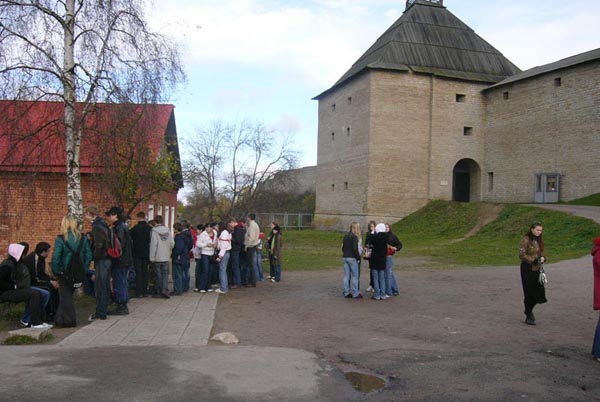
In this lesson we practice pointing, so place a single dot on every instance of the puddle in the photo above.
(364, 383)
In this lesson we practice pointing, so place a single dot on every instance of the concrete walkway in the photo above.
(585, 211)
(181, 320)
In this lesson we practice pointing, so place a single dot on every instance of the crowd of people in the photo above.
(116, 258)
(379, 248)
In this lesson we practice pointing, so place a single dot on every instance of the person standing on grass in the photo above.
(276, 246)
(161, 244)
(531, 253)
(351, 258)
(140, 236)
(377, 260)
(394, 245)
(224, 247)
(596, 265)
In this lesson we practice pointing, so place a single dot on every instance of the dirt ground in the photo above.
(451, 335)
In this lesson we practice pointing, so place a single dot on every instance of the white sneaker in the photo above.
(43, 326)
(370, 289)
(196, 290)
(211, 290)
(203, 291)
(221, 292)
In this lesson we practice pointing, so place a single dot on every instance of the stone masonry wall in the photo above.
(544, 128)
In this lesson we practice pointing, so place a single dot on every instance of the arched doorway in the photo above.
(466, 179)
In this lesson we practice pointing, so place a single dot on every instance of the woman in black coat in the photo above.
(377, 261)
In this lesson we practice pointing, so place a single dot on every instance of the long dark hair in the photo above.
(539, 239)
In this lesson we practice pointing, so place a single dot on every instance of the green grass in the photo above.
(27, 340)
(310, 250)
(593, 200)
(565, 237)
(437, 229)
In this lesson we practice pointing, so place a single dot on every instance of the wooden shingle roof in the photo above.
(429, 39)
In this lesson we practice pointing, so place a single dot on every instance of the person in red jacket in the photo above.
(596, 263)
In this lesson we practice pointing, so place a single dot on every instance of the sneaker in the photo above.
(94, 317)
(370, 289)
(359, 296)
(203, 291)
(221, 292)
(196, 290)
(42, 326)
(348, 296)
(273, 280)
(210, 290)
(386, 297)
(24, 324)
(269, 277)
(165, 295)
(375, 298)
(396, 293)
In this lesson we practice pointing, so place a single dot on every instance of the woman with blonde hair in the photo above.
(68, 243)
(351, 258)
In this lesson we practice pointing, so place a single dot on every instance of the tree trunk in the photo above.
(72, 131)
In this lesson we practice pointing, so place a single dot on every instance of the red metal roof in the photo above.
(32, 134)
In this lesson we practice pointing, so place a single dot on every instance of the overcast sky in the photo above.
(263, 60)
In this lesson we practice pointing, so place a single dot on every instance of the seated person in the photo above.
(13, 290)
(41, 276)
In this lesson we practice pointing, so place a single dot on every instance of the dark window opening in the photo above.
(506, 95)
(349, 100)
(348, 131)
(468, 131)
(490, 181)
(345, 185)
(333, 187)
(461, 98)
(333, 107)
(332, 136)
(557, 82)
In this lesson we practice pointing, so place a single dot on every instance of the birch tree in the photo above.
(80, 53)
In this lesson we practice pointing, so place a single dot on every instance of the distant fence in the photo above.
(286, 220)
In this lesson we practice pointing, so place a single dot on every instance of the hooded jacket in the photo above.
(161, 244)
(596, 263)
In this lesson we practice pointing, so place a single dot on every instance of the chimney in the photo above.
(409, 3)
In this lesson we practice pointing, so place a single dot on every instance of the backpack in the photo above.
(74, 273)
(114, 245)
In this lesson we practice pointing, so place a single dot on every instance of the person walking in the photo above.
(596, 266)
(140, 237)
(122, 263)
(377, 261)
(531, 253)
(68, 243)
(161, 244)
(351, 258)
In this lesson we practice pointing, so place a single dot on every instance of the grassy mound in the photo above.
(593, 200)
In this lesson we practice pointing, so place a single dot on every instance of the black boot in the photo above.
(530, 319)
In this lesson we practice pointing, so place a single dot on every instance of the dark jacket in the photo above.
(378, 243)
(99, 244)
(6, 277)
(189, 239)
(122, 231)
(276, 248)
(237, 238)
(394, 242)
(140, 237)
(180, 250)
(37, 270)
(350, 246)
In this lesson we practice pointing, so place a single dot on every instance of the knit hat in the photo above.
(16, 250)
(597, 241)
(380, 228)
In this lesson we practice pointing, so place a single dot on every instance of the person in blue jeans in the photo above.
(207, 243)
(377, 261)
(224, 246)
(351, 258)
(102, 262)
(179, 254)
(394, 245)
(259, 257)
(122, 264)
